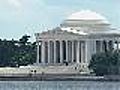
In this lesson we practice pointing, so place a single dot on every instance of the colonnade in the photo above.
(71, 51)
(61, 51)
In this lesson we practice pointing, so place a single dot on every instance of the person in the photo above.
(35, 71)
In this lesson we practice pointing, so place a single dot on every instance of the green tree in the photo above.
(17, 52)
(7, 48)
(105, 63)
(24, 40)
(25, 53)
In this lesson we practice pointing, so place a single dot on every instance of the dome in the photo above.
(86, 15)
(85, 18)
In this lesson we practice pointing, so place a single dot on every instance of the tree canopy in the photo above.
(17, 52)
(105, 63)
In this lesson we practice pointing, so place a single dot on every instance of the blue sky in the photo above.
(19, 17)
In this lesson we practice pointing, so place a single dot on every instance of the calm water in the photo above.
(58, 85)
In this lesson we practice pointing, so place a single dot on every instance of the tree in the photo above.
(7, 48)
(25, 53)
(24, 40)
(105, 63)
(17, 52)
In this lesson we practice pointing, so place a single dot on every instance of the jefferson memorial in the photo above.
(78, 37)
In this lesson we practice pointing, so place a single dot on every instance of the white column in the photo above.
(107, 43)
(117, 45)
(94, 46)
(43, 52)
(38, 50)
(78, 51)
(49, 52)
(114, 43)
(72, 51)
(86, 56)
(61, 52)
(54, 51)
(101, 47)
(82, 52)
(89, 51)
(66, 51)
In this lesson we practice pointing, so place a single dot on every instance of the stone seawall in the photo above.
(51, 77)
(50, 73)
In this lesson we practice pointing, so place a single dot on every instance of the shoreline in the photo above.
(57, 77)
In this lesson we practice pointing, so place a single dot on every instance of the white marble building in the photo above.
(78, 37)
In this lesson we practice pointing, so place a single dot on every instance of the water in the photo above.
(58, 85)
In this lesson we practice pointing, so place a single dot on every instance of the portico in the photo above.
(60, 51)
(76, 40)
(71, 51)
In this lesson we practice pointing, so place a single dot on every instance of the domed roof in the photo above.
(86, 15)
(85, 18)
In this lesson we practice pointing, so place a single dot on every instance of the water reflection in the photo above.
(58, 85)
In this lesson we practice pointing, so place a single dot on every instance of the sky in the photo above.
(19, 17)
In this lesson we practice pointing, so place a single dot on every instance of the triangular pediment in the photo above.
(59, 33)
